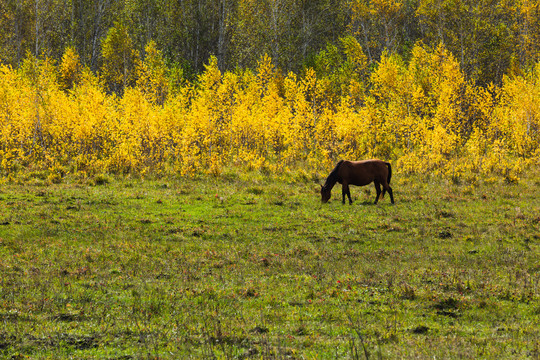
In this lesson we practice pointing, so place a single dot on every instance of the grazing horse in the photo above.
(359, 173)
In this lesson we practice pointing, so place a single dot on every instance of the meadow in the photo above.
(240, 266)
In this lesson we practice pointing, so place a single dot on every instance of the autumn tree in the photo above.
(152, 77)
(89, 22)
(15, 30)
(70, 69)
(287, 30)
(479, 33)
(376, 25)
(528, 32)
(119, 60)
(341, 70)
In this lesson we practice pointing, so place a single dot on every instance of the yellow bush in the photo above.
(423, 116)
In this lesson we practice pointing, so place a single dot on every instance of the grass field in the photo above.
(247, 268)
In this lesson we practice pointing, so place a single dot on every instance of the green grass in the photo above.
(249, 269)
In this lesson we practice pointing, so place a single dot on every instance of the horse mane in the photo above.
(333, 177)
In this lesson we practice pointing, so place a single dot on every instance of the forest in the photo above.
(278, 86)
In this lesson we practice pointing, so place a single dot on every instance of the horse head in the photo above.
(325, 194)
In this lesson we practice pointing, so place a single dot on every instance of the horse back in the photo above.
(364, 172)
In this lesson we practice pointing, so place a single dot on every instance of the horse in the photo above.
(359, 173)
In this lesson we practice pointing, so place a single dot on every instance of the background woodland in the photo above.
(449, 87)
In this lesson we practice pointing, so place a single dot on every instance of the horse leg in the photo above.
(391, 194)
(387, 187)
(345, 191)
(378, 190)
(349, 195)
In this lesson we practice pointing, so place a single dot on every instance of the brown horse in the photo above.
(359, 173)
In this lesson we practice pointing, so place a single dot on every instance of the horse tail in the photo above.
(388, 179)
(389, 172)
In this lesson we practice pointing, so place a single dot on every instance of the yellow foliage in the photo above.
(423, 116)
(152, 75)
(517, 119)
(70, 69)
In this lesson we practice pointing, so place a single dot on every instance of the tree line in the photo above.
(489, 38)
(59, 118)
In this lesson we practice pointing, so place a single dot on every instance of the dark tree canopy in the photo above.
(488, 37)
